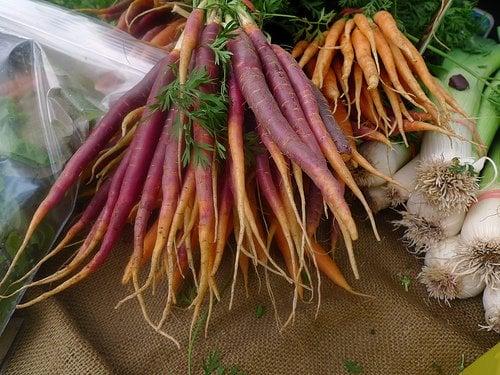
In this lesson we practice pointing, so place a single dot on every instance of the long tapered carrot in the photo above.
(317, 112)
(408, 78)
(348, 53)
(135, 8)
(366, 27)
(90, 213)
(384, 51)
(152, 186)
(224, 227)
(169, 34)
(368, 133)
(330, 87)
(299, 48)
(312, 49)
(254, 88)
(141, 154)
(192, 30)
(358, 84)
(89, 244)
(395, 105)
(364, 58)
(380, 109)
(97, 140)
(390, 29)
(326, 53)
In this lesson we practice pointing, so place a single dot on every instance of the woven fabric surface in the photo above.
(396, 332)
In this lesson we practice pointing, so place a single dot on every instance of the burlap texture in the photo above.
(397, 332)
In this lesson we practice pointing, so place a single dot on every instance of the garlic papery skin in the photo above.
(491, 304)
(480, 235)
(424, 225)
(386, 159)
(444, 278)
(482, 222)
(406, 176)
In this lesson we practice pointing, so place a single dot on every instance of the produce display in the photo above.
(231, 147)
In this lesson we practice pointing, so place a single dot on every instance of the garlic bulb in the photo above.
(491, 304)
(424, 225)
(386, 159)
(444, 278)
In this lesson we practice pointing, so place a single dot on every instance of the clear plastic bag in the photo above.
(59, 71)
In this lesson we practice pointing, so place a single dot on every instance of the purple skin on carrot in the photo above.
(331, 124)
(141, 154)
(117, 8)
(314, 210)
(282, 89)
(266, 183)
(150, 34)
(153, 184)
(254, 88)
(149, 21)
(310, 104)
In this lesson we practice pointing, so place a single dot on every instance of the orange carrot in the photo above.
(312, 49)
(358, 85)
(327, 52)
(365, 26)
(364, 58)
(330, 88)
(299, 48)
(169, 34)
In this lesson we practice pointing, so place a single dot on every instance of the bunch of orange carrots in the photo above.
(367, 62)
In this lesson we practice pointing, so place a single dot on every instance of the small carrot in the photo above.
(327, 52)
(365, 26)
(358, 84)
(384, 51)
(169, 34)
(407, 76)
(330, 88)
(364, 58)
(348, 53)
(312, 49)
(379, 107)
(299, 48)
(395, 105)
(370, 134)
(192, 31)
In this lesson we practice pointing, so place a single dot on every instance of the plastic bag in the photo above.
(59, 71)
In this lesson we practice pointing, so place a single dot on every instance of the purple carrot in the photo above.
(254, 88)
(141, 153)
(314, 210)
(331, 150)
(152, 185)
(150, 34)
(304, 88)
(282, 89)
(149, 21)
(331, 124)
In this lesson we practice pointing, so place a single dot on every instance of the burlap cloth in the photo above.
(398, 332)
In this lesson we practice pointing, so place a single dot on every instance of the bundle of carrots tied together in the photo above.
(225, 137)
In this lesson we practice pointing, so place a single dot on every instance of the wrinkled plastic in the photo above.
(59, 71)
